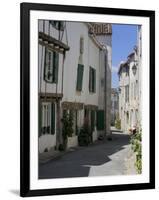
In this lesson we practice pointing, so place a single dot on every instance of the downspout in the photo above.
(105, 91)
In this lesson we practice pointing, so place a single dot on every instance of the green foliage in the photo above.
(136, 142)
(85, 135)
(67, 129)
(118, 123)
(138, 163)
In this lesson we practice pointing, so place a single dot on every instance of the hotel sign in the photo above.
(100, 29)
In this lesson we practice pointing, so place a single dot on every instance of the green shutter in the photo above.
(76, 114)
(52, 118)
(79, 77)
(45, 61)
(94, 80)
(55, 66)
(100, 120)
(90, 79)
(40, 119)
(92, 120)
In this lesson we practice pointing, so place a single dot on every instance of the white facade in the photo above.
(114, 105)
(84, 49)
(130, 89)
(105, 78)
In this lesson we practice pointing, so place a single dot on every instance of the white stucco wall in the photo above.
(133, 106)
(91, 57)
(47, 141)
(106, 40)
(72, 142)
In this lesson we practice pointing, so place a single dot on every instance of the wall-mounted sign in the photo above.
(100, 29)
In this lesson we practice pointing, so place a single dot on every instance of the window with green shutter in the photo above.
(80, 70)
(51, 66)
(46, 118)
(100, 120)
(92, 79)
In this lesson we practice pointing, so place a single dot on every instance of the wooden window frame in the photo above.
(55, 66)
(50, 112)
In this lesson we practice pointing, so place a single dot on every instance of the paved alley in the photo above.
(99, 159)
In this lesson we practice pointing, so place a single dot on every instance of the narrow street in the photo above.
(99, 159)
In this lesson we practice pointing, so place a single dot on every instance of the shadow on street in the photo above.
(79, 162)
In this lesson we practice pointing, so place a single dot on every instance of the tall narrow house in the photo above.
(74, 79)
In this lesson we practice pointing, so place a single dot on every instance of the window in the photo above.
(136, 89)
(46, 118)
(127, 117)
(86, 113)
(127, 93)
(51, 66)
(92, 79)
(115, 105)
(59, 25)
(80, 70)
(81, 45)
(90, 118)
(127, 70)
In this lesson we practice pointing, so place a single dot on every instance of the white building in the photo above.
(130, 89)
(74, 66)
(114, 105)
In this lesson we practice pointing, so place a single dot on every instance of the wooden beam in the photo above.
(50, 95)
(53, 41)
(91, 107)
(51, 47)
(72, 105)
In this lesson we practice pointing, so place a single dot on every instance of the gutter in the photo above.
(105, 91)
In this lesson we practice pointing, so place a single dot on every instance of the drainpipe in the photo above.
(105, 96)
(104, 51)
(105, 91)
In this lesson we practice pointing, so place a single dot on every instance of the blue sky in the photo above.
(124, 38)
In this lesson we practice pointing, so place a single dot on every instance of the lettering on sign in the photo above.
(100, 29)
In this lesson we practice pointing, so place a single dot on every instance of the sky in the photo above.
(124, 38)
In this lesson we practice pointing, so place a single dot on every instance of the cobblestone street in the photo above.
(100, 159)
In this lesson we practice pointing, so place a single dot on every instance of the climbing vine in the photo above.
(67, 128)
(136, 141)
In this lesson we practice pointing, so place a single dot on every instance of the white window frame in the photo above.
(46, 116)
